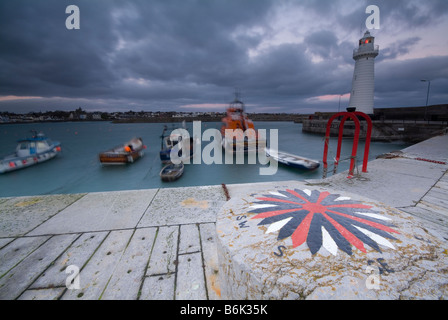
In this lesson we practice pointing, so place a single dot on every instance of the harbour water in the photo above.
(77, 169)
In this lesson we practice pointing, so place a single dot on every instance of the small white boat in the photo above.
(172, 172)
(292, 160)
(30, 151)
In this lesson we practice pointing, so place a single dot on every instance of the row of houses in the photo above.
(12, 118)
(81, 115)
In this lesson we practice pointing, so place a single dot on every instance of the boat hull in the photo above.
(293, 161)
(119, 156)
(111, 158)
(13, 163)
(243, 146)
(172, 172)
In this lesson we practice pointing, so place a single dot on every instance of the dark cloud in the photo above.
(323, 43)
(160, 55)
(399, 48)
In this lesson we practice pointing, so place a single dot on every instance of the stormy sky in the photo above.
(190, 55)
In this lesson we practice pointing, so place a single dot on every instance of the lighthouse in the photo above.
(361, 96)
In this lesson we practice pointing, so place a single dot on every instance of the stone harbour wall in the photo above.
(381, 131)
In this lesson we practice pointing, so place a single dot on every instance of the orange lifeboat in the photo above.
(238, 131)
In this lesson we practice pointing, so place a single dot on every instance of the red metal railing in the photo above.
(368, 137)
(354, 117)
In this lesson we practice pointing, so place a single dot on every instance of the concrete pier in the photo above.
(163, 244)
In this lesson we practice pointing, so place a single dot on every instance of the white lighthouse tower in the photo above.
(363, 84)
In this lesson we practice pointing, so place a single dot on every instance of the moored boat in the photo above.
(172, 172)
(30, 151)
(238, 131)
(292, 160)
(123, 154)
(171, 141)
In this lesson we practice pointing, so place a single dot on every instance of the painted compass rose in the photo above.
(322, 219)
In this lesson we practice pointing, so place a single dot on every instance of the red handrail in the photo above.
(368, 137)
(345, 116)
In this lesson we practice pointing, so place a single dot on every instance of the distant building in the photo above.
(4, 119)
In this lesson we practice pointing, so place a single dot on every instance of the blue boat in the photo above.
(30, 151)
(171, 141)
(168, 143)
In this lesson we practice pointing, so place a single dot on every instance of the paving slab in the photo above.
(211, 264)
(164, 254)
(184, 206)
(22, 275)
(95, 276)
(17, 250)
(435, 223)
(22, 214)
(190, 284)
(126, 279)
(5, 241)
(189, 239)
(76, 255)
(159, 287)
(98, 212)
(398, 182)
(434, 205)
(42, 294)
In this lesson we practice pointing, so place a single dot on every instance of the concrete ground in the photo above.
(140, 244)
(161, 243)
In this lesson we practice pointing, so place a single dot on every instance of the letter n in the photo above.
(72, 21)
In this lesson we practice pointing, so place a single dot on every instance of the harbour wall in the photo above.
(410, 124)
(408, 131)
